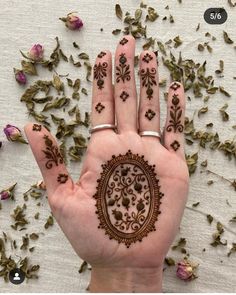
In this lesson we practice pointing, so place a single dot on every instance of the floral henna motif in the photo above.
(128, 198)
(124, 95)
(175, 115)
(100, 71)
(99, 107)
(175, 86)
(37, 127)
(62, 178)
(148, 80)
(150, 114)
(175, 145)
(147, 57)
(123, 41)
(123, 70)
(101, 54)
(52, 153)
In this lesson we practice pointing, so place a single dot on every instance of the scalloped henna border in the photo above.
(105, 224)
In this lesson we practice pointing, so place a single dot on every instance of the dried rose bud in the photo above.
(8, 193)
(72, 21)
(186, 270)
(36, 52)
(14, 134)
(40, 185)
(20, 76)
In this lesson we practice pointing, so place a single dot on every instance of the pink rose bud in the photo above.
(186, 270)
(20, 76)
(5, 195)
(36, 52)
(8, 193)
(13, 133)
(72, 22)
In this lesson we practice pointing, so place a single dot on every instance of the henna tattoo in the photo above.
(100, 71)
(148, 80)
(99, 107)
(147, 57)
(175, 115)
(150, 114)
(37, 127)
(101, 54)
(128, 198)
(175, 86)
(123, 41)
(123, 70)
(124, 95)
(175, 145)
(52, 153)
(62, 178)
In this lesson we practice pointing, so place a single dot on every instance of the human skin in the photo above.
(116, 268)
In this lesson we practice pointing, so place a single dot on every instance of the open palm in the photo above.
(73, 204)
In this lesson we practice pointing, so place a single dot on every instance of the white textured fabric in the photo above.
(23, 23)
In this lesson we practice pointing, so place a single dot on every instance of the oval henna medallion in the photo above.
(128, 198)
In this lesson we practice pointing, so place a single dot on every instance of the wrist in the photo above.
(128, 280)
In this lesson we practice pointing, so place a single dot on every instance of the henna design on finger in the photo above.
(99, 107)
(175, 145)
(175, 86)
(101, 54)
(62, 178)
(124, 95)
(123, 70)
(148, 80)
(150, 114)
(147, 58)
(128, 198)
(175, 115)
(123, 41)
(37, 127)
(100, 71)
(52, 153)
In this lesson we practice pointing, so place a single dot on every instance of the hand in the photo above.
(114, 266)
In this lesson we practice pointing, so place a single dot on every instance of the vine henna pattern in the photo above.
(128, 198)
(52, 153)
(148, 80)
(100, 71)
(175, 115)
(123, 70)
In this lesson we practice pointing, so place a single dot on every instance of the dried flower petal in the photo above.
(186, 270)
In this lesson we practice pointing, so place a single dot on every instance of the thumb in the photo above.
(48, 157)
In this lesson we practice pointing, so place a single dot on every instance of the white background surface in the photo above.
(23, 23)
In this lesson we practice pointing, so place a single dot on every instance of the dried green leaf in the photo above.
(198, 27)
(116, 32)
(202, 110)
(58, 84)
(177, 41)
(76, 64)
(49, 222)
(118, 11)
(89, 69)
(152, 14)
(34, 236)
(209, 218)
(227, 38)
(84, 91)
(204, 163)
(224, 114)
(64, 57)
(192, 162)
(169, 261)
(200, 47)
(233, 248)
(29, 68)
(222, 90)
(83, 55)
(171, 19)
(195, 204)
(212, 90)
(83, 267)
(76, 45)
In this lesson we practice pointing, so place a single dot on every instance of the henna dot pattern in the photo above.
(62, 178)
(52, 153)
(128, 198)
(123, 41)
(175, 116)
(123, 70)
(124, 95)
(147, 58)
(148, 80)
(101, 54)
(175, 145)
(99, 107)
(150, 114)
(175, 86)
(100, 71)
(37, 127)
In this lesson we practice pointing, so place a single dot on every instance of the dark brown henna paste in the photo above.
(123, 70)
(62, 178)
(52, 153)
(128, 198)
(147, 57)
(123, 41)
(99, 107)
(101, 54)
(175, 115)
(124, 95)
(37, 127)
(100, 71)
(175, 86)
(150, 114)
(148, 80)
(175, 145)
